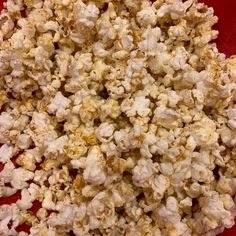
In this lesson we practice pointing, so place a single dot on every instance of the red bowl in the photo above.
(226, 42)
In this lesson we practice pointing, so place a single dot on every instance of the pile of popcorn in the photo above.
(121, 115)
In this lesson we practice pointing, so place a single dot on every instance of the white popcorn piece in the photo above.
(105, 132)
(41, 130)
(127, 42)
(59, 105)
(232, 124)
(40, 176)
(168, 215)
(51, 25)
(226, 185)
(7, 25)
(6, 123)
(25, 202)
(147, 16)
(68, 213)
(191, 144)
(29, 158)
(96, 211)
(86, 15)
(166, 168)
(80, 163)
(6, 153)
(19, 178)
(143, 172)
(166, 117)
(186, 204)
(173, 98)
(162, 146)
(98, 50)
(41, 228)
(7, 172)
(148, 147)
(163, 10)
(110, 149)
(7, 191)
(214, 210)
(228, 202)
(121, 140)
(139, 106)
(22, 233)
(48, 202)
(24, 141)
(56, 147)
(94, 171)
(160, 184)
(204, 131)
(9, 213)
(150, 43)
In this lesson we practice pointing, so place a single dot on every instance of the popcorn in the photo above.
(40, 129)
(219, 214)
(22, 233)
(149, 44)
(9, 213)
(51, 25)
(186, 204)
(147, 16)
(67, 214)
(7, 25)
(25, 202)
(7, 191)
(42, 229)
(226, 185)
(111, 109)
(105, 132)
(6, 153)
(59, 106)
(101, 211)
(127, 42)
(160, 184)
(24, 141)
(142, 173)
(191, 143)
(7, 172)
(232, 124)
(86, 15)
(205, 132)
(166, 168)
(166, 117)
(139, 106)
(6, 123)
(173, 98)
(94, 167)
(120, 117)
(19, 178)
(48, 202)
(40, 176)
(29, 158)
(106, 31)
(99, 51)
(56, 147)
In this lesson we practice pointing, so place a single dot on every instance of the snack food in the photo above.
(121, 115)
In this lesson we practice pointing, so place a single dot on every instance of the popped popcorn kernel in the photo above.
(119, 117)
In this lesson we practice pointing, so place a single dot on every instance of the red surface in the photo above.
(226, 11)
